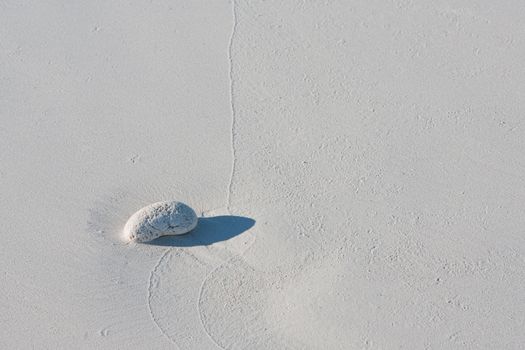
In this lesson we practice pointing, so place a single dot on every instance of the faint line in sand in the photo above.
(232, 105)
(150, 293)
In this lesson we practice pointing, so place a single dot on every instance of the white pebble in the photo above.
(160, 219)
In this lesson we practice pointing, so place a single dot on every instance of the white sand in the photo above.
(377, 145)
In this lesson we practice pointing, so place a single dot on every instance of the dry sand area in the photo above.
(357, 166)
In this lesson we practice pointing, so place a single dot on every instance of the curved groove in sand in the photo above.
(201, 291)
(150, 293)
(199, 309)
(232, 105)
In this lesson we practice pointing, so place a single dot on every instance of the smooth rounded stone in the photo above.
(160, 219)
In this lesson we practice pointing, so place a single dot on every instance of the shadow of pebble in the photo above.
(208, 231)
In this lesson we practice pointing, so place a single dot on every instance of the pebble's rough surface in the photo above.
(160, 219)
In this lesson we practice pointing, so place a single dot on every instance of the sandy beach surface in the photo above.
(358, 169)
